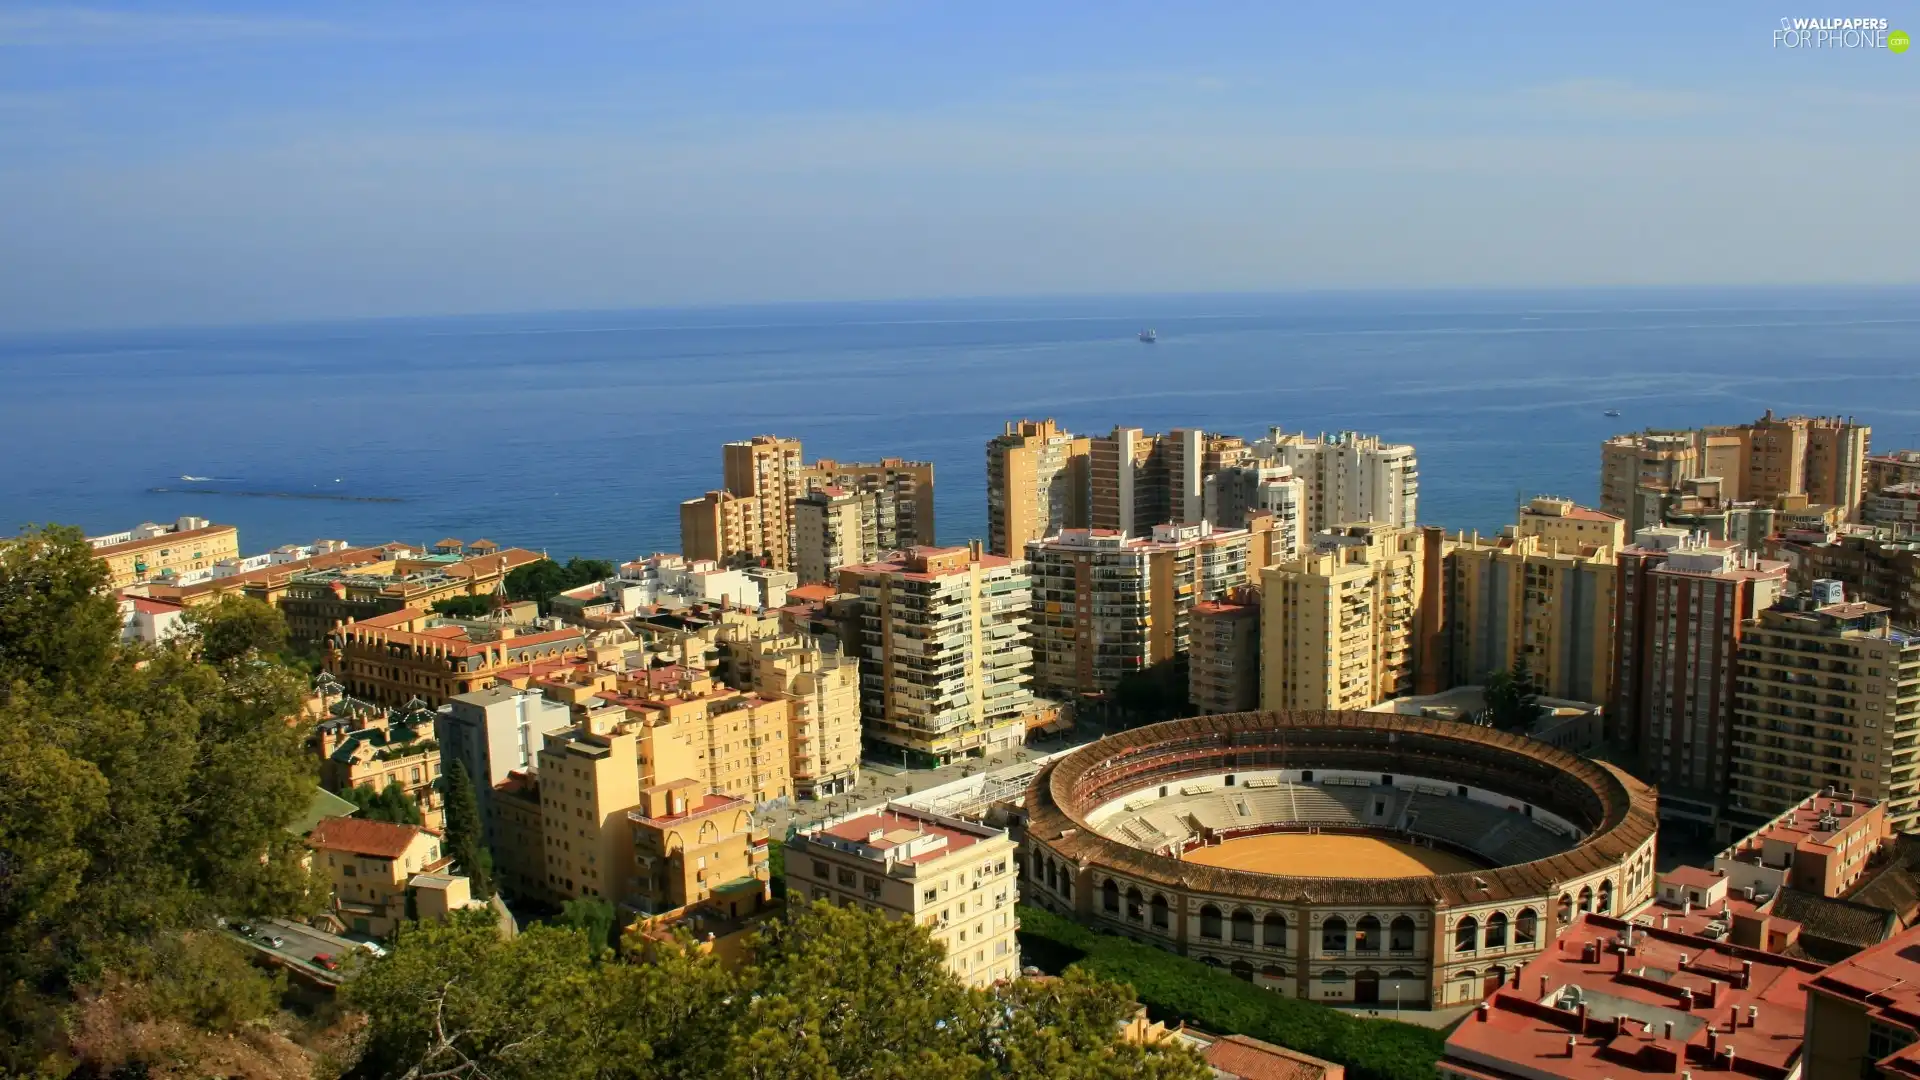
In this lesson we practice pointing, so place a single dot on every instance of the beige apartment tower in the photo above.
(1826, 694)
(767, 469)
(1036, 484)
(834, 527)
(1774, 461)
(588, 782)
(901, 491)
(824, 692)
(951, 876)
(1348, 477)
(1343, 627)
(944, 652)
(1223, 665)
(724, 528)
(1127, 482)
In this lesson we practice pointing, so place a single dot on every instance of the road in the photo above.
(301, 945)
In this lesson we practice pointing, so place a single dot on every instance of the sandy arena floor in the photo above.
(1328, 855)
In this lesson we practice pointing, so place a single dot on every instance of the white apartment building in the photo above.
(1349, 477)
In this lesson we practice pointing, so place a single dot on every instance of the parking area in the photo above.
(298, 946)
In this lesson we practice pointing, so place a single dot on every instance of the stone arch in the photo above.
(1210, 922)
(1157, 910)
(1135, 903)
(1400, 934)
(1605, 898)
(1366, 934)
(1110, 897)
(1242, 926)
(1333, 935)
(1273, 931)
(1242, 970)
(1526, 928)
(1496, 933)
(1466, 934)
(1586, 898)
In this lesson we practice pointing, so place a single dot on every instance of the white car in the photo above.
(377, 950)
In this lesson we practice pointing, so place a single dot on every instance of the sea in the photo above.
(579, 433)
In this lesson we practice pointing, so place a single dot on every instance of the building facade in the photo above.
(1887, 470)
(1127, 484)
(1771, 461)
(368, 865)
(768, 470)
(944, 652)
(692, 846)
(1107, 604)
(1348, 477)
(953, 877)
(494, 733)
(587, 782)
(823, 689)
(1223, 658)
(1863, 1014)
(834, 527)
(901, 490)
(412, 653)
(1037, 484)
(1236, 494)
(153, 552)
(1342, 628)
(1827, 694)
(723, 528)
(1874, 567)
(1684, 604)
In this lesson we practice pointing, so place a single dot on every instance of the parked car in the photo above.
(327, 961)
(274, 940)
(377, 950)
(243, 929)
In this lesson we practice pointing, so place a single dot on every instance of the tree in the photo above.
(1512, 698)
(235, 628)
(464, 607)
(389, 804)
(463, 833)
(595, 917)
(137, 800)
(547, 579)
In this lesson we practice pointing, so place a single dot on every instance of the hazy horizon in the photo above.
(220, 164)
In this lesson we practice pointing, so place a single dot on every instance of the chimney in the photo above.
(1713, 1041)
(1669, 1030)
(1753, 1015)
(1543, 983)
(1480, 1012)
(1582, 1012)
(1729, 1052)
(974, 551)
(1746, 974)
(1571, 1043)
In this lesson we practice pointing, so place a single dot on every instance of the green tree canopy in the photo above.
(463, 607)
(836, 992)
(391, 803)
(136, 799)
(547, 579)
(236, 628)
(1512, 698)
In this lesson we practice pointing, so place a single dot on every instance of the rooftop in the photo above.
(161, 540)
(1885, 978)
(1817, 822)
(1246, 1058)
(897, 834)
(361, 836)
(1664, 1003)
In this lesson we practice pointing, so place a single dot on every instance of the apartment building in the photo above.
(823, 689)
(724, 528)
(951, 876)
(1541, 592)
(1223, 666)
(1863, 1014)
(1827, 694)
(768, 470)
(151, 552)
(317, 601)
(834, 527)
(944, 653)
(371, 748)
(1875, 567)
(1353, 623)
(1127, 482)
(690, 726)
(1106, 604)
(1820, 459)
(1235, 494)
(1684, 603)
(1348, 477)
(518, 840)
(693, 846)
(901, 490)
(368, 865)
(494, 733)
(412, 653)
(588, 781)
(1895, 507)
(1822, 845)
(1887, 470)
(1037, 484)
(1193, 457)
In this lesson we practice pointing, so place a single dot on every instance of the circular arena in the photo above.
(1347, 857)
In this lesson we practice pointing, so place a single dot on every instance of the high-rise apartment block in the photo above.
(1684, 602)
(588, 782)
(1193, 456)
(1106, 604)
(1349, 625)
(901, 491)
(1827, 694)
(1349, 477)
(1541, 592)
(1770, 462)
(494, 733)
(1235, 493)
(944, 653)
(834, 527)
(723, 528)
(1874, 568)
(768, 470)
(1223, 654)
(953, 877)
(1037, 484)
(738, 740)
(1127, 482)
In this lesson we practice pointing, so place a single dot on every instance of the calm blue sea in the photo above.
(579, 433)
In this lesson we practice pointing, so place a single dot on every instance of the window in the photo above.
(1497, 930)
(1526, 927)
(819, 869)
(1273, 931)
(1110, 897)
(1466, 934)
(1366, 934)
(1210, 922)
(1333, 935)
(1243, 926)
(1400, 934)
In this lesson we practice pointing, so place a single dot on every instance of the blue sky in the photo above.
(250, 162)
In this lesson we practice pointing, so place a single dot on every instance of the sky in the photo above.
(229, 163)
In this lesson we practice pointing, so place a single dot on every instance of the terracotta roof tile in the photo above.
(362, 837)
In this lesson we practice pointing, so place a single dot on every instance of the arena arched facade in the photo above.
(1115, 835)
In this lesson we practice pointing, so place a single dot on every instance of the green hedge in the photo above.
(1174, 988)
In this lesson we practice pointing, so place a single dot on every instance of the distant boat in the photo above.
(1149, 336)
(195, 479)
(1613, 412)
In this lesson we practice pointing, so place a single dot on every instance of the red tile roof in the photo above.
(1250, 1059)
(380, 839)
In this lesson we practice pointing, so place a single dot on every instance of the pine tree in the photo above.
(464, 841)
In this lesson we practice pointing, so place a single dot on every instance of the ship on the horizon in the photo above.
(1149, 336)
(1613, 412)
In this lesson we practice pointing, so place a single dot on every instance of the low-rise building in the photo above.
(1863, 1014)
(519, 840)
(412, 653)
(151, 552)
(692, 846)
(371, 748)
(316, 601)
(369, 865)
(952, 876)
(1821, 845)
(151, 622)
(1617, 1000)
